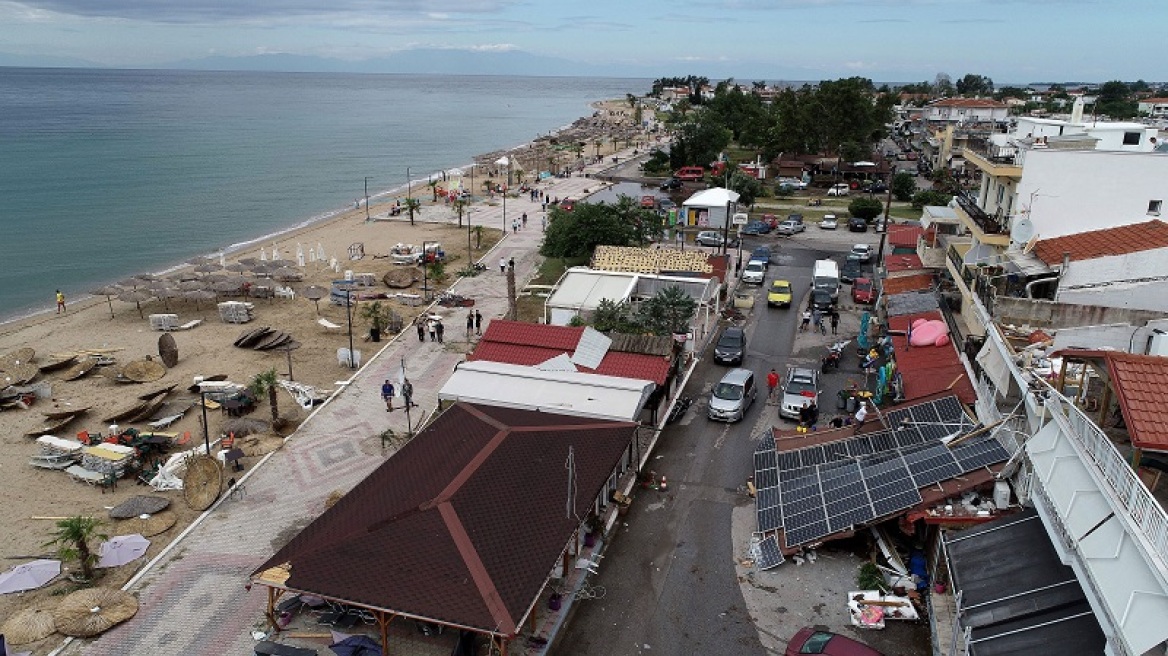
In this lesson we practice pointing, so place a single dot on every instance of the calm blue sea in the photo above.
(108, 173)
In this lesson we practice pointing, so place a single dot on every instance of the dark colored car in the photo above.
(731, 346)
(821, 300)
(856, 224)
(810, 641)
(851, 270)
(761, 254)
(568, 204)
(664, 204)
(672, 184)
(756, 228)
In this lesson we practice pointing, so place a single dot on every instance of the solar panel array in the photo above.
(769, 555)
(819, 490)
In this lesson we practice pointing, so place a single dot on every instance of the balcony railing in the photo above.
(988, 224)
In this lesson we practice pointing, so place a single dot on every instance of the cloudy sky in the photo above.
(886, 40)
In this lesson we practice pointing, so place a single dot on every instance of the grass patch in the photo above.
(551, 268)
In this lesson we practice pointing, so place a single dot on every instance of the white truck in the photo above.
(826, 276)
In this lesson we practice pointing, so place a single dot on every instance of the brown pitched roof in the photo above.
(1139, 382)
(1119, 240)
(464, 523)
(912, 283)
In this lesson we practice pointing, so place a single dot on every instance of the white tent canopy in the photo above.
(563, 392)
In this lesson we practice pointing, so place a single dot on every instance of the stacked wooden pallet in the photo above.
(236, 312)
(649, 260)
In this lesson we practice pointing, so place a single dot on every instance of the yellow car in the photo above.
(779, 294)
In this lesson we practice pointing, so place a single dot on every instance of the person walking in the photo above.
(772, 382)
(503, 265)
(861, 415)
(408, 393)
(819, 323)
(440, 329)
(806, 321)
(421, 329)
(387, 395)
(524, 219)
(433, 330)
(60, 302)
(511, 264)
(469, 324)
(834, 322)
(478, 323)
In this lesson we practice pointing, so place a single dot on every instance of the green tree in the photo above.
(667, 312)
(579, 232)
(748, 187)
(612, 316)
(412, 206)
(975, 85)
(700, 139)
(930, 197)
(1114, 100)
(433, 185)
(903, 187)
(866, 208)
(646, 224)
(266, 383)
(460, 205)
(72, 539)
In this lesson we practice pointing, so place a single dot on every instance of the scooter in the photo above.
(679, 409)
(833, 356)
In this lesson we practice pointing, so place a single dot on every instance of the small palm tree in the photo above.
(267, 382)
(72, 541)
(460, 205)
(412, 206)
(433, 185)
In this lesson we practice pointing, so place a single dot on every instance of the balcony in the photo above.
(985, 223)
(997, 161)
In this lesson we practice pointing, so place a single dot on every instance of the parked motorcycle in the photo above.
(679, 409)
(833, 356)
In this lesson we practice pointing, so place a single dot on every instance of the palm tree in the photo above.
(267, 382)
(412, 206)
(433, 185)
(72, 541)
(460, 205)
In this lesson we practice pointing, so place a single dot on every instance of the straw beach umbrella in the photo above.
(136, 296)
(92, 611)
(148, 525)
(28, 625)
(314, 293)
(197, 295)
(139, 505)
(166, 294)
(109, 292)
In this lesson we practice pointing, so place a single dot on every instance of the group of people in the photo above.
(407, 393)
(814, 316)
(518, 223)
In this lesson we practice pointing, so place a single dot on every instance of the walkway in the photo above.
(193, 600)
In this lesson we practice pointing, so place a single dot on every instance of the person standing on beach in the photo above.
(60, 302)
(478, 323)
(387, 395)
(469, 324)
(503, 266)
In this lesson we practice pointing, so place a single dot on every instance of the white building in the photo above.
(1154, 107)
(966, 110)
(709, 208)
(580, 291)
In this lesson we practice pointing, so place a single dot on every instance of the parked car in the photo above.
(863, 252)
(876, 187)
(756, 228)
(761, 254)
(912, 156)
(856, 224)
(690, 173)
(732, 396)
(790, 227)
(754, 272)
(797, 218)
(779, 294)
(731, 346)
(810, 641)
(771, 220)
(709, 238)
(568, 204)
(664, 204)
(851, 270)
(791, 183)
(648, 202)
(829, 222)
(840, 189)
(672, 184)
(821, 300)
(862, 291)
(800, 386)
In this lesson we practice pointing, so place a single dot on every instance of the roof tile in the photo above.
(911, 283)
(927, 370)
(907, 262)
(1119, 240)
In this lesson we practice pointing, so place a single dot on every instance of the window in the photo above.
(1131, 138)
(1154, 207)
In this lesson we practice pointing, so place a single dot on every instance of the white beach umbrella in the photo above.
(299, 254)
(29, 576)
(263, 254)
(276, 253)
(319, 251)
(222, 260)
(122, 549)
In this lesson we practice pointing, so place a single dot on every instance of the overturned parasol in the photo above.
(92, 611)
(168, 350)
(144, 371)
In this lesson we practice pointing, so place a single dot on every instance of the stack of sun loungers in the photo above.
(56, 453)
(236, 312)
(107, 459)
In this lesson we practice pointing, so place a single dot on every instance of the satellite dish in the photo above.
(1022, 231)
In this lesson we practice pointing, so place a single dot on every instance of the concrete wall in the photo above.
(1049, 314)
(1135, 280)
(1074, 191)
(1120, 337)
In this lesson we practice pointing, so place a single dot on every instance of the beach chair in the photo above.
(329, 326)
(165, 422)
(163, 321)
(83, 475)
(286, 292)
(188, 325)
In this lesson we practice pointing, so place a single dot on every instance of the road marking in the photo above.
(722, 438)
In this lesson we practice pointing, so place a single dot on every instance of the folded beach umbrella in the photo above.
(122, 549)
(29, 576)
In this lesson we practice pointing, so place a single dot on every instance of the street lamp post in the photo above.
(366, 198)
(206, 433)
(347, 286)
(408, 183)
(425, 262)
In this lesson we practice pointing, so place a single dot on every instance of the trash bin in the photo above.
(841, 400)
(851, 404)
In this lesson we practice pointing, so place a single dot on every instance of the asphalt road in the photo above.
(670, 576)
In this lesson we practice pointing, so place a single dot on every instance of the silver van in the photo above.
(732, 396)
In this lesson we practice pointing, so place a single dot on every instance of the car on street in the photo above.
(756, 228)
(711, 238)
(856, 224)
(732, 396)
(811, 641)
(790, 227)
(821, 300)
(851, 270)
(901, 156)
(649, 202)
(912, 156)
(568, 204)
(690, 173)
(672, 184)
(800, 386)
(791, 183)
(829, 222)
(761, 254)
(664, 204)
(862, 252)
(876, 187)
(779, 294)
(840, 189)
(754, 272)
(862, 291)
(731, 346)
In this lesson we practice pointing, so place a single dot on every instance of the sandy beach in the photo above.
(32, 494)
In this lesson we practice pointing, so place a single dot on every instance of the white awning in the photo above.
(716, 197)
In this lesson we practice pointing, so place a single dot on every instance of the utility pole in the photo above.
(366, 198)
(512, 307)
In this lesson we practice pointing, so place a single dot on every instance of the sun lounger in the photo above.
(163, 321)
(188, 325)
(165, 422)
(328, 325)
(61, 461)
(306, 395)
(285, 292)
(84, 475)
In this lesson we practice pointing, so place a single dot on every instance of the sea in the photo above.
(108, 173)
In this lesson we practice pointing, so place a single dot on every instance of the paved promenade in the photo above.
(193, 599)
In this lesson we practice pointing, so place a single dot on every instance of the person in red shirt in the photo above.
(772, 382)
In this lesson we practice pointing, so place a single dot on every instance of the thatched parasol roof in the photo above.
(144, 371)
(92, 611)
(18, 357)
(139, 505)
(28, 625)
(147, 525)
(402, 277)
(202, 482)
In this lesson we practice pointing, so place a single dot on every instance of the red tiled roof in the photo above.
(927, 370)
(906, 262)
(967, 102)
(528, 344)
(1119, 240)
(904, 236)
(464, 523)
(912, 283)
(1139, 382)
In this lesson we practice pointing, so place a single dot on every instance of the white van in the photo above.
(826, 276)
(840, 189)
